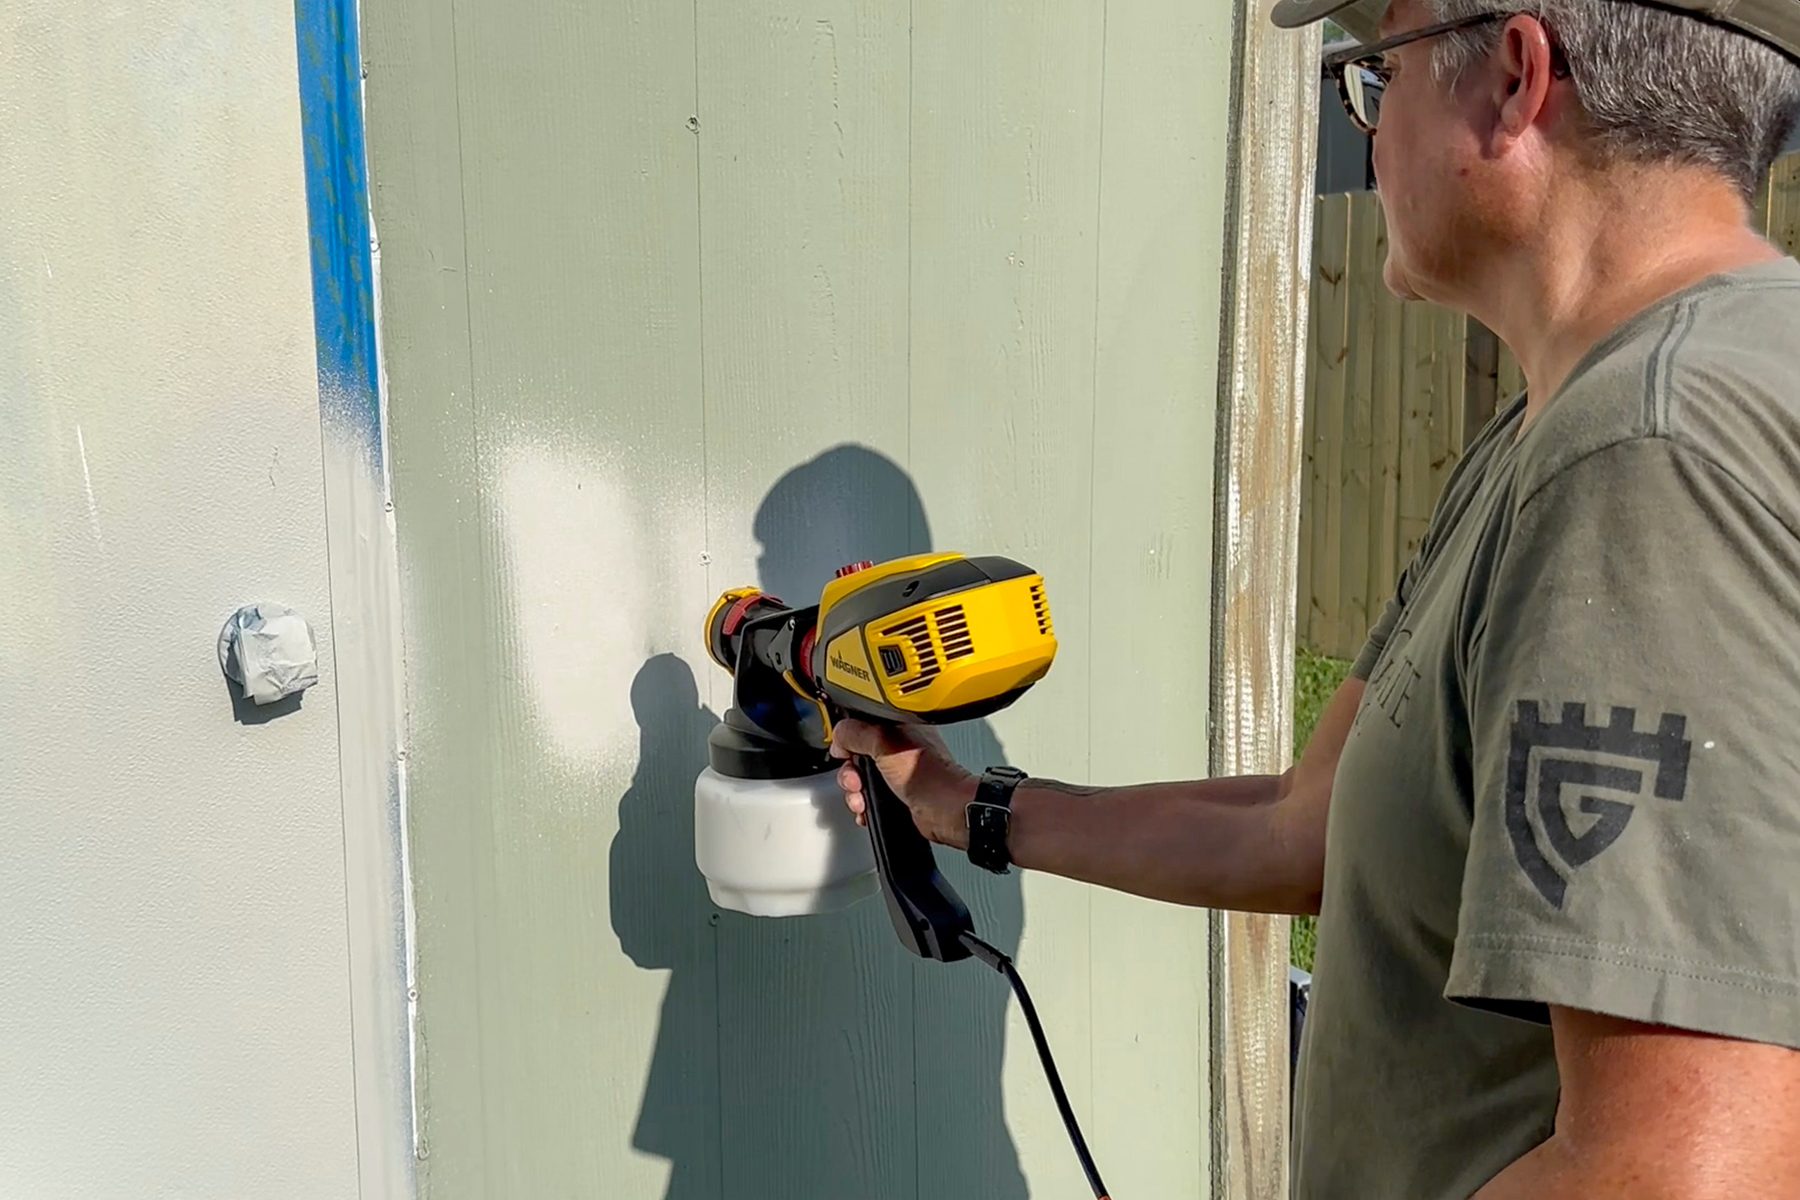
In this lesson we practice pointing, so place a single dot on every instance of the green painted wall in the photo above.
(681, 297)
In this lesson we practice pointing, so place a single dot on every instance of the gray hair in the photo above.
(1656, 86)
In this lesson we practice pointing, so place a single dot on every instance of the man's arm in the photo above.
(1250, 843)
(1651, 1113)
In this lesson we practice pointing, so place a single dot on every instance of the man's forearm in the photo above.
(1217, 843)
(1252, 843)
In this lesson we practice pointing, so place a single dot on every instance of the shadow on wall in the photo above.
(655, 891)
(846, 1066)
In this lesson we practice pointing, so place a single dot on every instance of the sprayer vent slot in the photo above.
(918, 632)
(953, 632)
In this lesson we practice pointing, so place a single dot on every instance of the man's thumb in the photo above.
(852, 737)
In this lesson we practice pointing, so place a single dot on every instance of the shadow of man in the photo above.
(846, 1069)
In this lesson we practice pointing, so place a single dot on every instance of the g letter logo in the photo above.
(1570, 755)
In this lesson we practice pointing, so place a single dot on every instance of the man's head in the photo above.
(1485, 128)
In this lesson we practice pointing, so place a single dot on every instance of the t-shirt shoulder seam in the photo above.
(1687, 447)
(1679, 445)
(1764, 285)
(1610, 953)
(1562, 469)
(1661, 391)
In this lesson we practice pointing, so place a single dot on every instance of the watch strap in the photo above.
(990, 818)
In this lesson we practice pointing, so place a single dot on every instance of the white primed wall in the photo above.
(174, 998)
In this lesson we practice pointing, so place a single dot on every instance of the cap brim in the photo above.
(1775, 23)
(1359, 18)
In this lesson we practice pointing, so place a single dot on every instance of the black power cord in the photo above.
(1001, 963)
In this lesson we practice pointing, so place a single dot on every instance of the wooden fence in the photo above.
(1394, 392)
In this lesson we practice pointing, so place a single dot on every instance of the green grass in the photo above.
(1316, 679)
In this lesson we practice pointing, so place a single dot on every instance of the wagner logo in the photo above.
(1571, 755)
(850, 668)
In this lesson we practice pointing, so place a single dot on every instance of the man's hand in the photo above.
(917, 766)
(1650, 1113)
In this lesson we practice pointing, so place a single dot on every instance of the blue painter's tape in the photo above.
(337, 202)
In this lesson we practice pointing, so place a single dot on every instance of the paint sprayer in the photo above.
(931, 639)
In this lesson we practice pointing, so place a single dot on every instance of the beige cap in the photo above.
(1358, 17)
(1776, 22)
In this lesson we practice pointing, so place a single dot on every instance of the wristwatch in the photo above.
(990, 818)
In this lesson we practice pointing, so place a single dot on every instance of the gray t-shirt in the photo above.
(1575, 775)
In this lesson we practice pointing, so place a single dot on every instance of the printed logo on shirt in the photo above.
(1550, 766)
(1390, 691)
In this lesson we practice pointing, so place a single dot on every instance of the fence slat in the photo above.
(1419, 387)
(1388, 380)
(1458, 436)
(1512, 379)
(1784, 204)
(1759, 203)
(1452, 332)
(1366, 248)
(1309, 424)
(1333, 365)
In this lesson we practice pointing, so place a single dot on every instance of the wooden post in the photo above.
(1262, 382)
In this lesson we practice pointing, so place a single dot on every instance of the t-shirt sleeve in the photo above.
(1364, 664)
(1633, 680)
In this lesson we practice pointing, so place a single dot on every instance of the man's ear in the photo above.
(1527, 69)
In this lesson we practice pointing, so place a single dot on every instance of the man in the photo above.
(1552, 822)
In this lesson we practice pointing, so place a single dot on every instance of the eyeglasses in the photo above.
(1362, 76)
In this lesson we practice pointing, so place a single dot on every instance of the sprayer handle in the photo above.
(929, 916)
